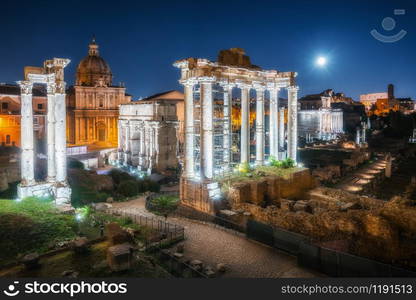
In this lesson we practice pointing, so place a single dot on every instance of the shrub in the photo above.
(128, 188)
(244, 168)
(274, 162)
(164, 205)
(81, 196)
(288, 163)
(102, 197)
(152, 186)
(120, 176)
(75, 164)
(145, 185)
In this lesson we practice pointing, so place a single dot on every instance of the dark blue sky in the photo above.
(140, 41)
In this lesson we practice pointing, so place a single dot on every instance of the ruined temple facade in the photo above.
(208, 89)
(93, 103)
(51, 75)
(318, 119)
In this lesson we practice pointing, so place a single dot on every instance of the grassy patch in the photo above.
(31, 225)
(257, 173)
(90, 264)
(164, 205)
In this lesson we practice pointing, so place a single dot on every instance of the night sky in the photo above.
(140, 41)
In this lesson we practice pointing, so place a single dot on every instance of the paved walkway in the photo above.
(212, 245)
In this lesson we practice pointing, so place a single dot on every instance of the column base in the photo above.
(61, 192)
(44, 189)
(203, 196)
(259, 162)
(51, 179)
(282, 155)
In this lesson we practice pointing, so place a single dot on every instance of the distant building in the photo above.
(10, 114)
(368, 100)
(406, 105)
(318, 119)
(353, 115)
(384, 106)
(314, 101)
(380, 103)
(93, 102)
(178, 99)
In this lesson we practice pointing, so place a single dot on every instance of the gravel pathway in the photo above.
(211, 245)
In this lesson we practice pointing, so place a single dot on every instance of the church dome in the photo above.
(93, 70)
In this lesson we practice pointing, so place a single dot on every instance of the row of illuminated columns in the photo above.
(206, 141)
(56, 134)
(331, 121)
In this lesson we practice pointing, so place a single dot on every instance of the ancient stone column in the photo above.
(156, 143)
(142, 146)
(127, 153)
(26, 132)
(281, 143)
(273, 123)
(227, 107)
(51, 176)
(259, 126)
(357, 137)
(207, 138)
(321, 122)
(189, 130)
(364, 133)
(60, 133)
(245, 125)
(292, 122)
(119, 142)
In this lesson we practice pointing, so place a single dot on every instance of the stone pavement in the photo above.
(211, 245)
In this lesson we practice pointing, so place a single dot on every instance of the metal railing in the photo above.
(214, 220)
(168, 233)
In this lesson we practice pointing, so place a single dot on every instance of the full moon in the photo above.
(321, 61)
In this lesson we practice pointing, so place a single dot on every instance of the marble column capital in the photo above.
(51, 88)
(60, 87)
(271, 87)
(244, 86)
(188, 82)
(259, 87)
(227, 86)
(206, 80)
(26, 86)
(273, 90)
(293, 88)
